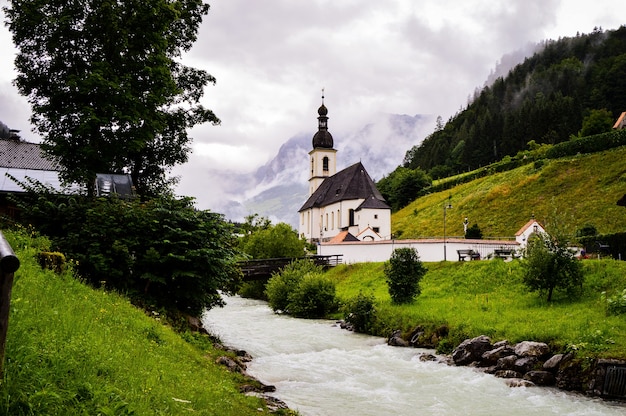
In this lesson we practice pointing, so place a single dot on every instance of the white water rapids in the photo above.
(320, 369)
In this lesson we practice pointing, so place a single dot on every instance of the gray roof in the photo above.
(17, 154)
(349, 184)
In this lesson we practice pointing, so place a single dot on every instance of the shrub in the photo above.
(360, 312)
(313, 297)
(283, 283)
(403, 272)
(54, 261)
(615, 305)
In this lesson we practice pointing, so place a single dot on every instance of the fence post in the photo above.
(9, 263)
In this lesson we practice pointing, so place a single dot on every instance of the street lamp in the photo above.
(446, 206)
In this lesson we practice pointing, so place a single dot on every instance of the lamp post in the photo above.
(446, 206)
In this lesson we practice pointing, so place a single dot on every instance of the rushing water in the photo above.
(320, 369)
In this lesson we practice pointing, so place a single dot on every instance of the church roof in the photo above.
(323, 139)
(351, 183)
(17, 154)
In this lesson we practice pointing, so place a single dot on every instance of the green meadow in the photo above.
(488, 297)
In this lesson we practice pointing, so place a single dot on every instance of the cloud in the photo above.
(272, 58)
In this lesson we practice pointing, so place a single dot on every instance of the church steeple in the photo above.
(323, 157)
(322, 138)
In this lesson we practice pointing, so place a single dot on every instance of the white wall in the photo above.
(431, 250)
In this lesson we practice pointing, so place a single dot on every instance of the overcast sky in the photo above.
(271, 59)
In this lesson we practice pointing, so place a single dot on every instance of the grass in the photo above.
(73, 350)
(579, 190)
(488, 297)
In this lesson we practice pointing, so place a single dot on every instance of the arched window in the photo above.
(325, 164)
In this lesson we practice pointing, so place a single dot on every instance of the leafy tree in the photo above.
(161, 252)
(403, 272)
(550, 265)
(275, 241)
(282, 284)
(360, 312)
(313, 297)
(106, 91)
(598, 121)
(402, 186)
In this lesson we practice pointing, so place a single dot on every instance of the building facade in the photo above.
(340, 202)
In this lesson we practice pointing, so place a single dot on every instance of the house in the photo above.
(339, 202)
(524, 233)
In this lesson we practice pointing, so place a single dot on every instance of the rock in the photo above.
(231, 364)
(540, 378)
(396, 340)
(571, 375)
(518, 382)
(507, 374)
(553, 363)
(531, 349)
(525, 364)
(471, 350)
(427, 357)
(492, 356)
(502, 343)
(507, 363)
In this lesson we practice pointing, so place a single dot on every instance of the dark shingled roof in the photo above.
(17, 154)
(351, 183)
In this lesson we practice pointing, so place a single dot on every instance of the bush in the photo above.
(360, 313)
(313, 297)
(615, 305)
(54, 261)
(283, 283)
(403, 272)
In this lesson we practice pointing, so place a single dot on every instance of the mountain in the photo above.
(545, 98)
(280, 187)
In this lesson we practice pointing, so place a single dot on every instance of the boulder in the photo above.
(531, 349)
(232, 365)
(553, 363)
(492, 356)
(525, 364)
(396, 340)
(518, 382)
(540, 378)
(507, 363)
(471, 350)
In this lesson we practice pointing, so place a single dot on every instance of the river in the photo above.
(322, 370)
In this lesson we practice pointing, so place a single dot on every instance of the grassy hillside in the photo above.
(488, 297)
(574, 191)
(74, 350)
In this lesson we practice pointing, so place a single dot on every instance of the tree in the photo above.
(598, 121)
(403, 272)
(275, 241)
(474, 232)
(550, 265)
(402, 186)
(106, 91)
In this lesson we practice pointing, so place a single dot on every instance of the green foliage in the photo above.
(273, 241)
(161, 251)
(313, 297)
(402, 186)
(616, 304)
(360, 312)
(403, 273)
(587, 230)
(301, 290)
(549, 264)
(73, 350)
(474, 232)
(596, 122)
(54, 261)
(104, 99)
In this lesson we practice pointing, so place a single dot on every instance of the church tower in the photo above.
(323, 157)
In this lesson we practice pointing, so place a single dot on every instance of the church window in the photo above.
(325, 164)
(351, 217)
(375, 216)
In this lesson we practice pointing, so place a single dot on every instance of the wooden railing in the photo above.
(264, 268)
(9, 263)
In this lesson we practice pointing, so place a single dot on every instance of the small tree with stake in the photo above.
(403, 272)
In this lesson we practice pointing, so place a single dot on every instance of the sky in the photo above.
(272, 58)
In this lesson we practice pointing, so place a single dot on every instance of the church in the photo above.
(342, 206)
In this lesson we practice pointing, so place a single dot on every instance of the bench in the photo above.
(504, 253)
(468, 253)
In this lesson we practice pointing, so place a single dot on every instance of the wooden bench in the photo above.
(468, 253)
(503, 253)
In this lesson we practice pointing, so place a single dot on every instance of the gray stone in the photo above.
(471, 350)
(531, 349)
(507, 374)
(525, 364)
(517, 382)
(553, 363)
(507, 363)
(540, 378)
(492, 356)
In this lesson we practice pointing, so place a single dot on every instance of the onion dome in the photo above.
(322, 138)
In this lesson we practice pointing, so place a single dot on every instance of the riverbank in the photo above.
(461, 300)
(74, 350)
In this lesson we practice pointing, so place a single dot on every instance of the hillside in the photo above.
(73, 350)
(545, 98)
(575, 191)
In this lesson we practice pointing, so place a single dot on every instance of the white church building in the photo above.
(342, 206)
